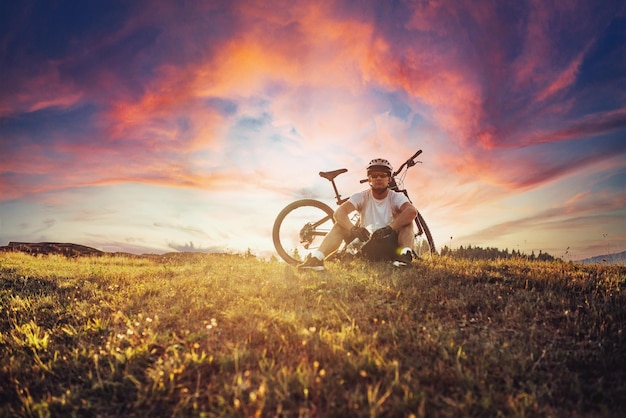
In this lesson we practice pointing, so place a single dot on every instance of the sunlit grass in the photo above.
(228, 335)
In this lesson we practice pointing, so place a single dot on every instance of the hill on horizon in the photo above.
(612, 259)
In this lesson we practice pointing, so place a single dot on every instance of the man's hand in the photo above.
(361, 233)
(382, 233)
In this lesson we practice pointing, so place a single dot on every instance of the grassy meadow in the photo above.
(230, 335)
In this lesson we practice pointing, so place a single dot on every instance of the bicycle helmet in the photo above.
(379, 164)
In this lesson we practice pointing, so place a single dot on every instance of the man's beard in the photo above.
(379, 189)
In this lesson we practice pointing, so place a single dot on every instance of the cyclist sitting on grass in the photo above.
(386, 212)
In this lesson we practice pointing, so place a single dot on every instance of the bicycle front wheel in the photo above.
(300, 228)
(424, 244)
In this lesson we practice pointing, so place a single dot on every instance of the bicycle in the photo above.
(301, 222)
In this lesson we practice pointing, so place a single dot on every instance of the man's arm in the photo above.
(342, 215)
(405, 217)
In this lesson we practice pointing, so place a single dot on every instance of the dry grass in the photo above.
(227, 335)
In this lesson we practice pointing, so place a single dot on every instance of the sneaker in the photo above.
(312, 263)
(403, 260)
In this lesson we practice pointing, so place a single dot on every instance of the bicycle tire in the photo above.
(288, 227)
(429, 237)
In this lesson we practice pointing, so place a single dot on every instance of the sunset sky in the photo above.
(157, 126)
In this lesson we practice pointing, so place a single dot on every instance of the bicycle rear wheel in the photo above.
(300, 228)
(424, 244)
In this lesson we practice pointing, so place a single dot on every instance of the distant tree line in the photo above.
(479, 253)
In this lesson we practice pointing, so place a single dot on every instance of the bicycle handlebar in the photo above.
(409, 163)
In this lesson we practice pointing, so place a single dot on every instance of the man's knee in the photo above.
(333, 239)
(337, 232)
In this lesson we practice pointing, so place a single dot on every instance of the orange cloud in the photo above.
(563, 80)
(44, 90)
(308, 49)
(309, 60)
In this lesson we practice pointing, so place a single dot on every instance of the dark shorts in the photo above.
(381, 249)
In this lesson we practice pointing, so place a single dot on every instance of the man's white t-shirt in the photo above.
(375, 213)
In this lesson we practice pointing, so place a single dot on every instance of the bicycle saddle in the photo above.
(330, 175)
